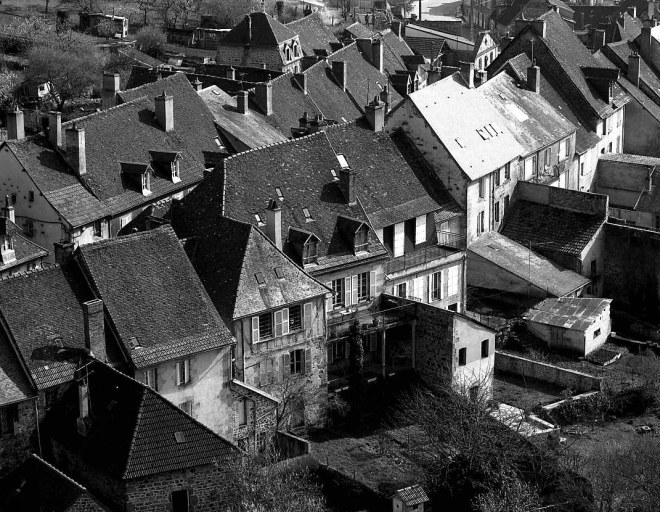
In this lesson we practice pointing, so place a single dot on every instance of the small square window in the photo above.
(307, 214)
(462, 357)
(596, 333)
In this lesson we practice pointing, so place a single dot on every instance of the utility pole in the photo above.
(420, 10)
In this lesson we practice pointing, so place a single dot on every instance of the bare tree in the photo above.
(146, 7)
(513, 496)
(151, 40)
(8, 85)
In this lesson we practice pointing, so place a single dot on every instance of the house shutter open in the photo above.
(372, 284)
(419, 288)
(429, 295)
(420, 229)
(255, 329)
(278, 323)
(307, 316)
(308, 360)
(399, 234)
(347, 292)
(285, 321)
(445, 284)
(354, 290)
(286, 365)
(328, 301)
(178, 373)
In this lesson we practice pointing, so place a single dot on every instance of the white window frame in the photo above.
(242, 413)
(420, 229)
(150, 378)
(183, 372)
(452, 281)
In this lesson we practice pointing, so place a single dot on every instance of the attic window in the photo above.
(310, 252)
(280, 196)
(308, 216)
(491, 131)
(279, 273)
(133, 342)
(460, 142)
(180, 437)
(217, 141)
(342, 161)
(361, 239)
(260, 278)
(334, 175)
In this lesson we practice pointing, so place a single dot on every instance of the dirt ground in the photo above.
(526, 395)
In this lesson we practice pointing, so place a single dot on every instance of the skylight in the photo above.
(307, 214)
(334, 174)
(483, 133)
(259, 220)
(280, 196)
(180, 437)
(342, 161)
(260, 278)
(279, 273)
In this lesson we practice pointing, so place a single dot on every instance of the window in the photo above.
(183, 372)
(596, 333)
(297, 361)
(338, 293)
(28, 227)
(547, 154)
(453, 307)
(609, 147)
(308, 216)
(281, 322)
(484, 348)
(462, 357)
(259, 276)
(338, 349)
(310, 254)
(123, 221)
(295, 318)
(175, 170)
(497, 211)
(567, 148)
(401, 290)
(280, 196)
(399, 239)
(482, 187)
(242, 411)
(452, 280)
(363, 286)
(180, 501)
(150, 378)
(480, 223)
(507, 171)
(278, 272)
(8, 419)
(436, 286)
(97, 228)
(146, 182)
(361, 239)
(262, 327)
(31, 196)
(497, 178)
(582, 169)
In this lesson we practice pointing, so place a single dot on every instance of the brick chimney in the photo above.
(300, 80)
(15, 125)
(539, 27)
(534, 79)
(377, 55)
(63, 251)
(165, 111)
(340, 72)
(645, 45)
(634, 68)
(375, 115)
(599, 39)
(75, 149)
(55, 129)
(347, 185)
(263, 97)
(467, 72)
(274, 223)
(8, 210)
(242, 104)
(94, 328)
(110, 89)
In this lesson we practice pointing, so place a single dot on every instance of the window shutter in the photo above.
(328, 302)
(308, 360)
(178, 374)
(354, 290)
(347, 292)
(429, 295)
(255, 329)
(186, 370)
(307, 317)
(445, 284)
(285, 321)
(278, 323)
(420, 229)
(330, 359)
(372, 284)
(286, 365)
(399, 233)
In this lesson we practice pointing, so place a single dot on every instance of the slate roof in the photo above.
(132, 432)
(251, 129)
(140, 57)
(455, 113)
(266, 31)
(37, 486)
(14, 384)
(42, 308)
(516, 259)
(358, 31)
(152, 293)
(393, 51)
(25, 251)
(619, 53)
(568, 312)
(628, 27)
(227, 254)
(551, 229)
(532, 9)
(635, 92)
(313, 34)
(429, 47)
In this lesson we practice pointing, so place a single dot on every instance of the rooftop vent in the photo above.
(180, 437)
(260, 278)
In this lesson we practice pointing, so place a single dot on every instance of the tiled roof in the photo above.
(228, 254)
(531, 9)
(358, 31)
(393, 50)
(429, 47)
(628, 27)
(14, 384)
(36, 485)
(152, 294)
(473, 132)
(25, 251)
(251, 129)
(413, 495)
(266, 31)
(550, 229)
(134, 430)
(140, 57)
(517, 259)
(313, 34)
(568, 312)
(42, 308)
(619, 53)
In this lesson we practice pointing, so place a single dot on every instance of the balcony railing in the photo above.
(449, 239)
(426, 255)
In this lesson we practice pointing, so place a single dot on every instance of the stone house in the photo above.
(133, 449)
(275, 310)
(17, 253)
(580, 85)
(83, 187)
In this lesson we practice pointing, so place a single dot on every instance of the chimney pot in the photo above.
(242, 102)
(94, 328)
(8, 210)
(75, 149)
(534, 79)
(165, 111)
(111, 86)
(263, 92)
(55, 129)
(15, 125)
(274, 223)
(340, 72)
(347, 185)
(467, 72)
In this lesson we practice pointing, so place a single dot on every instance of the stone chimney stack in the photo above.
(534, 78)
(274, 223)
(377, 55)
(263, 93)
(301, 81)
(63, 251)
(242, 104)
(8, 210)
(632, 12)
(347, 185)
(599, 39)
(94, 328)
(539, 26)
(467, 72)
(55, 129)
(110, 89)
(15, 125)
(340, 72)
(645, 44)
(75, 149)
(375, 115)
(165, 111)
(634, 68)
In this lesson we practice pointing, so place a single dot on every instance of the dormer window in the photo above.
(310, 252)
(361, 239)
(139, 174)
(167, 163)
(308, 215)
(146, 184)
(334, 175)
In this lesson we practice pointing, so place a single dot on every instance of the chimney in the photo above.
(63, 251)
(94, 328)
(599, 39)
(242, 102)
(397, 28)
(347, 185)
(274, 223)
(467, 72)
(377, 55)
(340, 72)
(263, 92)
(15, 125)
(230, 73)
(165, 112)
(534, 79)
(539, 27)
(375, 114)
(645, 42)
(632, 11)
(303, 121)
(633, 68)
(8, 210)
(197, 85)
(110, 90)
(364, 45)
(505, 41)
(301, 81)
(555, 7)
(75, 149)
(55, 129)
(519, 25)
(385, 97)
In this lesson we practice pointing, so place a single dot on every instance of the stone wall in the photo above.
(434, 345)
(593, 204)
(261, 418)
(543, 372)
(17, 447)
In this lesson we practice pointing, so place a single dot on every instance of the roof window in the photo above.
(260, 278)
(259, 220)
(280, 196)
(180, 437)
(279, 273)
(308, 216)
(460, 142)
(342, 161)
(334, 175)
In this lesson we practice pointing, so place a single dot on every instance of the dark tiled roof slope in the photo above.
(14, 384)
(553, 229)
(619, 53)
(266, 31)
(140, 57)
(313, 34)
(152, 293)
(532, 9)
(37, 486)
(430, 48)
(43, 309)
(393, 49)
(135, 437)
(227, 256)
(358, 31)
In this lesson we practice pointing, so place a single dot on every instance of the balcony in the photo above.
(449, 239)
(451, 243)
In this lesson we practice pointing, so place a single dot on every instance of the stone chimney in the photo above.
(55, 129)
(599, 39)
(632, 11)
(75, 149)
(467, 72)
(94, 328)
(8, 210)
(263, 93)
(645, 44)
(340, 72)
(519, 25)
(274, 223)
(165, 111)
(230, 73)
(300, 80)
(634, 68)
(197, 84)
(63, 251)
(397, 28)
(534, 78)
(347, 185)
(375, 115)
(539, 27)
(242, 104)
(248, 35)
(364, 45)
(110, 89)
(15, 125)
(377, 55)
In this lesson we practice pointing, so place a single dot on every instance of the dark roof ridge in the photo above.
(48, 267)
(58, 472)
(111, 109)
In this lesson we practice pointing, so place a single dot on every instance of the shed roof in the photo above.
(569, 312)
